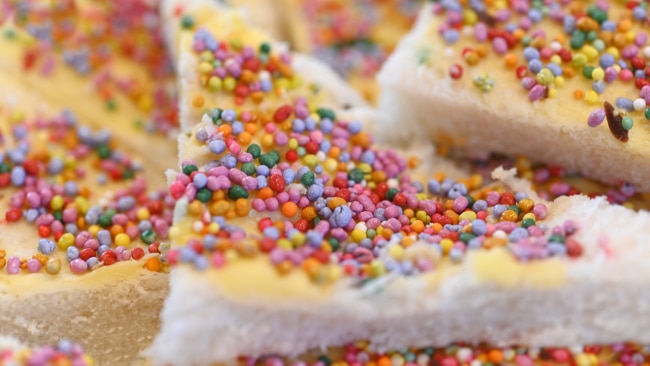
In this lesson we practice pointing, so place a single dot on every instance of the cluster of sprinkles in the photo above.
(553, 181)
(321, 198)
(91, 40)
(602, 43)
(63, 353)
(246, 73)
(348, 35)
(361, 354)
(53, 171)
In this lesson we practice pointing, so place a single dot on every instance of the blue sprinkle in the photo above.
(640, 74)
(639, 13)
(531, 53)
(271, 232)
(318, 169)
(262, 170)
(18, 176)
(456, 255)
(71, 253)
(55, 166)
(450, 36)
(474, 243)
(104, 237)
(261, 182)
(520, 196)
(144, 225)
(71, 228)
(201, 135)
(555, 69)
(229, 161)
(606, 60)
(344, 157)
(535, 66)
(31, 214)
(354, 127)
(228, 115)
(569, 24)
(201, 263)
(624, 103)
(368, 157)
(480, 205)
(289, 176)
(433, 186)
(187, 255)
(237, 128)
(326, 125)
(518, 234)
(125, 203)
(217, 146)
(46, 246)
(92, 262)
(103, 248)
(310, 124)
(325, 213)
(325, 146)
(298, 125)
(314, 238)
(314, 192)
(200, 180)
(556, 249)
(535, 15)
(499, 210)
(608, 26)
(479, 227)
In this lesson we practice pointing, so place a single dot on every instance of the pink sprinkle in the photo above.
(540, 211)
(481, 32)
(559, 188)
(596, 117)
(33, 265)
(258, 205)
(13, 265)
(78, 266)
(626, 75)
(536, 93)
(271, 204)
(499, 45)
(218, 260)
(545, 53)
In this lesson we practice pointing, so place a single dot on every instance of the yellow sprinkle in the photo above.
(446, 244)
(467, 215)
(65, 241)
(143, 214)
(122, 239)
(396, 251)
(357, 235)
(229, 83)
(529, 215)
(591, 97)
(630, 35)
(310, 160)
(205, 67)
(215, 83)
(94, 229)
(559, 81)
(298, 239)
(206, 56)
(231, 255)
(81, 204)
(556, 59)
(282, 83)
(56, 203)
(334, 272)
(267, 140)
(377, 268)
(598, 74)
(296, 82)
(582, 360)
(330, 165)
(590, 51)
(469, 17)
(293, 144)
(365, 168)
(552, 93)
(214, 228)
(579, 60)
(285, 244)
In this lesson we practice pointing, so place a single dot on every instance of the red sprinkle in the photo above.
(282, 113)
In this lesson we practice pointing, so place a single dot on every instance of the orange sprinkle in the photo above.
(334, 152)
(578, 94)
(384, 361)
(309, 213)
(251, 128)
(335, 202)
(225, 129)
(245, 138)
(624, 25)
(153, 264)
(511, 60)
(495, 356)
(242, 207)
(265, 193)
(289, 209)
(198, 101)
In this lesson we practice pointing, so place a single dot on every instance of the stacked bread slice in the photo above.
(67, 158)
(527, 81)
(283, 244)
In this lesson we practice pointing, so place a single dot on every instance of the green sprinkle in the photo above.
(597, 14)
(371, 233)
(555, 238)
(514, 208)
(148, 236)
(627, 122)
(267, 159)
(265, 48)
(248, 168)
(591, 36)
(5, 168)
(237, 192)
(577, 39)
(275, 155)
(58, 215)
(106, 219)
(215, 115)
(307, 179)
(355, 175)
(103, 151)
(390, 195)
(301, 151)
(466, 237)
(255, 150)
(646, 113)
(587, 71)
(187, 22)
(204, 195)
(111, 105)
(128, 174)
(527, 223)
(334, 243)
(326, 113)
(189, 168)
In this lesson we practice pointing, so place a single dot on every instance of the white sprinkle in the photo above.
(639, 104)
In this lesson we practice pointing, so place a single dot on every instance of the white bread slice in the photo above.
(113, 310)
(417, 90)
